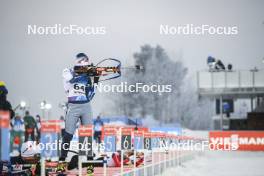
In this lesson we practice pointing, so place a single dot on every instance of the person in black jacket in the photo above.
(4, 104)
(215, 64)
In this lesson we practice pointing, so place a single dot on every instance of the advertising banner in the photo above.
(4, 135)
(237, 140)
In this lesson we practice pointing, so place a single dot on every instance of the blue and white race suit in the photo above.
(80, 91)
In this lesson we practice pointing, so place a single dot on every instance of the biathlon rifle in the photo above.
(98, 71)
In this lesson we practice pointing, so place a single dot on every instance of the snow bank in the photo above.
(217, 163)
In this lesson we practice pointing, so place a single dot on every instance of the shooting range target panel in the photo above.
(50, 136)
(138, 140)
(126, 139)
(110, 139)
(86, 140)
(148, 140)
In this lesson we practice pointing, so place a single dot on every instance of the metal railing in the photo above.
(164, 160)
(246, 80)
(159, 159)
(231, 79)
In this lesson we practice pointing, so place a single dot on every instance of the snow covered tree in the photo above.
(159, 69)
(180, 105)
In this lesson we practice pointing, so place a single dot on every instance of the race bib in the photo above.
(77, 89)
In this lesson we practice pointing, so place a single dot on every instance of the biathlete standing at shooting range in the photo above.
(80, 90)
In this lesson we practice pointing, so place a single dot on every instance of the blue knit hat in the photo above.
(80, 55)
(81, 60)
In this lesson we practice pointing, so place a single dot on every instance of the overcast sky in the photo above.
(31, 65)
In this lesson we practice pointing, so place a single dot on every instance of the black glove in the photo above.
(96, 79)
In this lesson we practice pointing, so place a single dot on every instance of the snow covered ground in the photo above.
(217, 163)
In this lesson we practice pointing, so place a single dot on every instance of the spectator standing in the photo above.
(38, 126)
(17, 133)
(30, 125)
(98, 126)
(4, 104)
